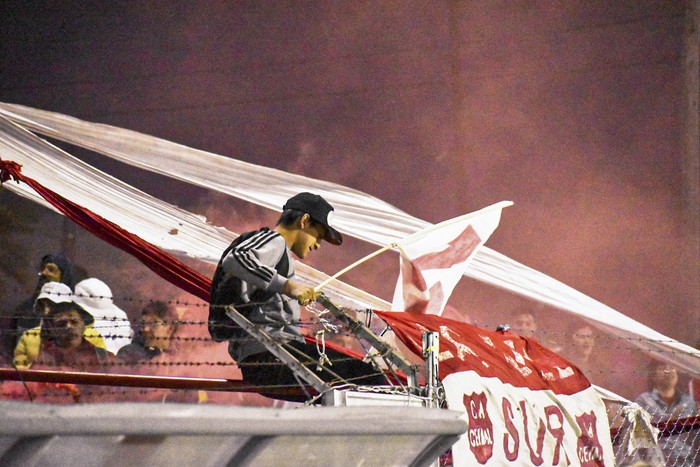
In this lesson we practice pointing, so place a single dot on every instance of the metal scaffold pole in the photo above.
(431, 350)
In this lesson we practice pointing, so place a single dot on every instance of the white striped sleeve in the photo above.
(255, 258)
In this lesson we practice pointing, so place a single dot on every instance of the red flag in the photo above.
(524, 404)
(513, 359)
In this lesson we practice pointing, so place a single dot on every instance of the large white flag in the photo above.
(434, 259)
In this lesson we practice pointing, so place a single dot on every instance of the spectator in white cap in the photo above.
(51, 293)
(95, 297)
(29, 343)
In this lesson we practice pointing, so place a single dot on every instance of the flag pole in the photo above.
(356, 263)
(413, 237)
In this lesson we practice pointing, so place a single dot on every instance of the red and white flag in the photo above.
(523, 404)
(434, 259)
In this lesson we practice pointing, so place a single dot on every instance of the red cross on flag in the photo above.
(434, 259)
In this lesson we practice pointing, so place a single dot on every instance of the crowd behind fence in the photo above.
(189, 352)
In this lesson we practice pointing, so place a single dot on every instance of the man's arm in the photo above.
(253, 261)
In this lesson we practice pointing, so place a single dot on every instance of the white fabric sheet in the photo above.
(358, 214)
(170, 228)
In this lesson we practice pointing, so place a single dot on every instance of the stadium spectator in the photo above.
(666, 402)
(95, 297)
(54, 267)
(157, 326)
(27, 349)
(63, 348)
(694, 385)
(605, 360)
(579, 345)
(63, 342)
(523, 323)
(154, 351)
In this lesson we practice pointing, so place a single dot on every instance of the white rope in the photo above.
(321, 349)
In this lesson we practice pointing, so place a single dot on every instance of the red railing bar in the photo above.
(142, 381)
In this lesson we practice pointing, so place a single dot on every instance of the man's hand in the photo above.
(303, 293)
(308, 296)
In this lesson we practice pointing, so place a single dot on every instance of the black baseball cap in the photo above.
(320, 211)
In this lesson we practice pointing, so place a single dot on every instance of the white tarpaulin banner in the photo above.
(357, 214)
(515, 425)
(170, 228)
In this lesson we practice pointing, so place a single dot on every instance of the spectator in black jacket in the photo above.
(53, 267)
(157, 326)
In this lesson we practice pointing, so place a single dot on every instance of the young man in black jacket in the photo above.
(256, 276)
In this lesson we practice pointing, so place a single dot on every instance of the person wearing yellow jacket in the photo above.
(29, 344)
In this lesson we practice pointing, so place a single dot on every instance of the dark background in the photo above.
(573, 110)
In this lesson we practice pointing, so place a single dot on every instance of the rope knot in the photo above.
(321, 349)
(9, 169)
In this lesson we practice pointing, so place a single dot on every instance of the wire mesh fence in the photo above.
(648, 425)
